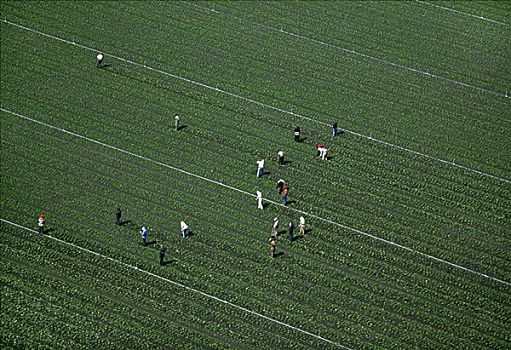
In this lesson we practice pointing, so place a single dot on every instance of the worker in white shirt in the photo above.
(259, 200)
(184, 229)
(260, 168)
(302, 225)
(176, 122)
(275, 227)
(99, 58)
(322, 152)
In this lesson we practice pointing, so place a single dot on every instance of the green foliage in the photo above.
(336, 283)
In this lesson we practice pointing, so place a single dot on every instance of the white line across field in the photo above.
(183, 286)
(451, 163)
(431, 257)
(374, 58)
(461, 12)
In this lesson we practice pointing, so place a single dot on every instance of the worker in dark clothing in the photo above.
(273, 246)
(162, 252)
(280, 157)
(118, 214)
(334, 129)
(297, 134)
(99, 58)
(40, 223)
(290, 231)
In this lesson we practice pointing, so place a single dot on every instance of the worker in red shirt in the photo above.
(40, 223)
(283, 195)
(319, 146)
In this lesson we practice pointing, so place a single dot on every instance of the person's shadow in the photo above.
(188, 234)
(168, 262)
(48, 231)
(181, 127)
(125, 222)
(281, 232)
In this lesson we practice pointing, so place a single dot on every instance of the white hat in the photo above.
(99, 56)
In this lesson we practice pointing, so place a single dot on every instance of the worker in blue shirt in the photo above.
(144, 233)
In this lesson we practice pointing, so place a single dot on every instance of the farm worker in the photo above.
(302, 225)
(162, 252)
(319, 146)
(280, 157)
(259, 200)
(283, 195)
(334, 129)
(184, 229)
(275, 227)
(118, 214)
(290, 231)
(260, 168)
(144, 233)
(324, 153)
(280, 184)
(40, 223)
(296, 133)
(273, 246)
(99, 58)
(176, 122)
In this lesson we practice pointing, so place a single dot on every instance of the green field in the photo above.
(409, 242)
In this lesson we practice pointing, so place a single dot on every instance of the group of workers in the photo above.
(283, 190)
(144, 234)
(144, 231)
(272, 241)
